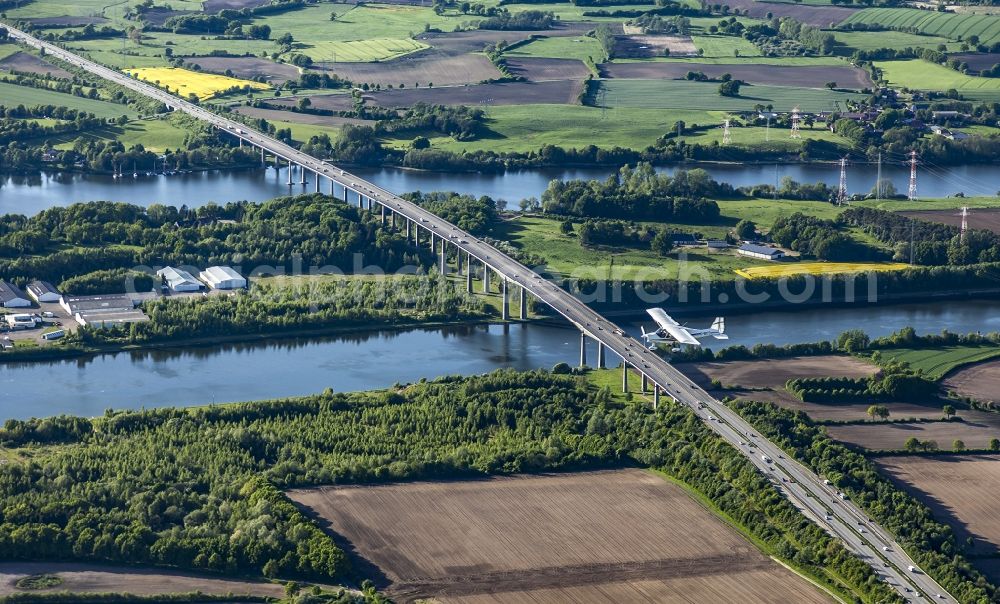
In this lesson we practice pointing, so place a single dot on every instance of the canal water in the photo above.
(291, 367)
(32, 194)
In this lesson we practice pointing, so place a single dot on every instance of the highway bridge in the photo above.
(817, 500)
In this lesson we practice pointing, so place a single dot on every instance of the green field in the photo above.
(7, 49)
(572, 12)
(12, 94)
(849, 41)
(679, 94)
(937, 362)
(362, 51)
(528, 127)
(156, 135)
(762, 138)
(947, 25)
(562, 47)
(725, 46)
(541, 235)
(917, 74)
(565, 255)
(367, 22)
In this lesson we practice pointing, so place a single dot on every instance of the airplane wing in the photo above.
(672, 327)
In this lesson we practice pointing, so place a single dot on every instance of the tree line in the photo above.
(639, 193)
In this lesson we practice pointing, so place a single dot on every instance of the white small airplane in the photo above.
(670, 331)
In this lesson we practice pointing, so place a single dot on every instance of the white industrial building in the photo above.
(179, 280)
(43, 291)
(11, 296)
(761, 252)
(22, 320)
(222, 277)
(103, 311)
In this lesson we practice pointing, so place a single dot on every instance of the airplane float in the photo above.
(671, 332)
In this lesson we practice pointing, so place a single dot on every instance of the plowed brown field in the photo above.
(613, 536)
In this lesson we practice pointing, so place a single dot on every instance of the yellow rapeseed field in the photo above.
(183, 82)
(817, 268)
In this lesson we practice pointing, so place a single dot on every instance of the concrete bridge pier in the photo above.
(656, 396)
(333, 185)
(346, 196)
(289, 173)
(624, 375)
(523, 303)
(468, 277)
(316, 174)
(600, 354)
(302, 175)
(407, 223)
(486, 279)
(583, 349)
(444, 257)
(392, 219)
(383, 214)
(505, 307)
(645, 383)
(263, 160)
(458, 261)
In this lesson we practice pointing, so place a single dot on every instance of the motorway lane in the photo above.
(804, 488)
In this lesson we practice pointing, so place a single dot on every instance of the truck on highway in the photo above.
(766, 458)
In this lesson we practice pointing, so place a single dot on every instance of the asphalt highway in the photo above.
(817, 500)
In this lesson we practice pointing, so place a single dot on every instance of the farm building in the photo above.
(104, 310)
(222, 277)
(179, 280)
(43, 291)
(761, 252)
(717, 244)
(11, 296)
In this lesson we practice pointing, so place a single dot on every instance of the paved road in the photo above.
(804, 488)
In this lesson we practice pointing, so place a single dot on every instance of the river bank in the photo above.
(56, 352)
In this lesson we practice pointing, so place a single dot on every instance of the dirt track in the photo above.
(778, 75)
(466, 541)
(980, 381)
(92, 578)
(22, 61)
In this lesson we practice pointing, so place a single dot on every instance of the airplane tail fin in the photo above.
(719, 325)
(719, 328)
